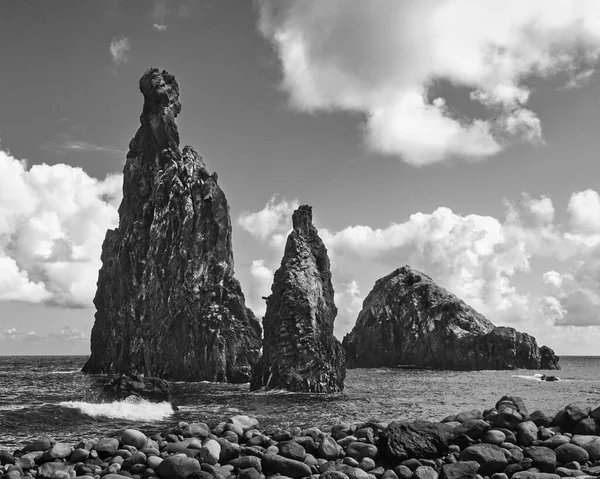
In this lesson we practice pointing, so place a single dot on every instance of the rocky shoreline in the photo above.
(501, 442)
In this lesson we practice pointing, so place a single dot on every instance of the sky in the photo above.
(457, 136)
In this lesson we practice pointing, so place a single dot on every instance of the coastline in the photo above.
(502, 441)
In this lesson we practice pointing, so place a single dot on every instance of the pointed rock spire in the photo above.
(300, 352)
(167, 302)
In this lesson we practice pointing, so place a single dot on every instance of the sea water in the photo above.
(49, 395)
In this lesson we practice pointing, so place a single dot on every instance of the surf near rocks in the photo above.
(505, 441)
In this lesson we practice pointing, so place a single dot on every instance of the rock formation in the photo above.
(409, 320)
(300, 352)
(167, 302)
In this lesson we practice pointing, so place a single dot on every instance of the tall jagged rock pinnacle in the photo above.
(167, 302)
(407, 319)
(300, 352)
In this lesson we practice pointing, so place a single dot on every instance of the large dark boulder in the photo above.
(418, 439)
(300, 352)
(168, 304)
(409, 320)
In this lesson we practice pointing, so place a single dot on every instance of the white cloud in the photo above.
(53, 220)
(275, 217)
(161, 27)
(262, 279)
(348, 300)
(382, 58)
(584, 208)
(119, 49)
(481, 259)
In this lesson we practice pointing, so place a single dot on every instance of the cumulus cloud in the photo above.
(262, 279)
(119, 50)
(53, 220)
(161, 27)
(584, 208)
(383, 60)
(482, 259)
(274, 219)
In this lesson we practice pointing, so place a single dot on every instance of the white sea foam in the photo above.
(535, 377)
(131, 408)
(66, 372)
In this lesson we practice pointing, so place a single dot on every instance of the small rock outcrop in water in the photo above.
(167, 302)
(300, 352)
(409, 320)
(122, 386)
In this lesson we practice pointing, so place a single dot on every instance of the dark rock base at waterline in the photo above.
(505, 441)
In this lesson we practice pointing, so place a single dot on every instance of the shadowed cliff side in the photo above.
(407, 319)
(300, 352)
(167, 302)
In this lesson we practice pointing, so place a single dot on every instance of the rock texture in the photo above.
(300, 352)
(121, 387)
(167, 302)
(409, 320)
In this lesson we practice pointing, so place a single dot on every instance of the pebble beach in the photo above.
(503, 441)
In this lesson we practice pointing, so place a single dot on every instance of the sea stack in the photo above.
(300, 352)
(167, 303)
(409, 320)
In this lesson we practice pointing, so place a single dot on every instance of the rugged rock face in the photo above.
(300, 352)
(167, 302)
(409, 320)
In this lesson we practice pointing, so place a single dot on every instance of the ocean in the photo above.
(49, 395)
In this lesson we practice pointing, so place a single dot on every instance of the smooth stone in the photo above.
(293, 450)
(329, 449)
(527, 432)
(210, 452)
(494, 436)
(543, 458)
(178, 467)
(565, 472)
(154, 461)
(106, 447)
(285, 466)
(133, 437)
(491, 458)
(556, 441)
(590, 443)
(79, 455)
(6, 458)
(360, 450)
(461, 470)
(403, 472)
(367, 464)
(389, 474)
(425, 472)
(247, 462)
(25, 463)
(571, 452)
(250, 473)
(40, 444)
(350, 461)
